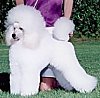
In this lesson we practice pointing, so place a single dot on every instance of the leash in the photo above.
(35, 3)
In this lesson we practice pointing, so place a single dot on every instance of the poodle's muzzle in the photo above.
(14, 36)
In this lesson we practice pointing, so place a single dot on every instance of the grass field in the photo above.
(88, 54)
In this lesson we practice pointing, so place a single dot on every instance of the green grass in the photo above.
(88, 53)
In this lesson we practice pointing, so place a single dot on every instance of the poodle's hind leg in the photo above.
(80, 81)
(66, 62)
(30, 83)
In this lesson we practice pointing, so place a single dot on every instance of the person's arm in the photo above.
(19, 2)
(68, 5)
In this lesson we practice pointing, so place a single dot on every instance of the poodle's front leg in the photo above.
(15, 78)
(30, 83)
(15, 83)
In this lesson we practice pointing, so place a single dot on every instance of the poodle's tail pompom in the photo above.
(26, 16)
(62, 28)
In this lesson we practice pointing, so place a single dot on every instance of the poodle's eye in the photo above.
(21, 28)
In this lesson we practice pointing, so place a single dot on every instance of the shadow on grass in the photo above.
(5, 82)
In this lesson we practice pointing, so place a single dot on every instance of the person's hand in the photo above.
(48, 83)
(44, 87)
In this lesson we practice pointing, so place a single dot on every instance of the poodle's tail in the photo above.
(62, 28)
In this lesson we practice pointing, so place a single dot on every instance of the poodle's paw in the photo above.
(29, 93)
(89, 85)
(44, 87)
(15, 92)
(29, 90)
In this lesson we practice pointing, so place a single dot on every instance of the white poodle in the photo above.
(32, 48)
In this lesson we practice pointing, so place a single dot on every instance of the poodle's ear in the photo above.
(31, 40)
(8, 35)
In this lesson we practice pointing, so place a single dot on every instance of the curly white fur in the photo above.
(32, 48)
(65, 25)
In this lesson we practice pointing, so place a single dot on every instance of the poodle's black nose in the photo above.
(14, 36)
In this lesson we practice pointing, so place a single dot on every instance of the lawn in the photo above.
(88, 53)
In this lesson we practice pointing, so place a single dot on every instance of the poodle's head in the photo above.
(25, 24)
(14, 33)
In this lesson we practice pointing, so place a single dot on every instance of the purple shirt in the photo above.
(50, 9)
